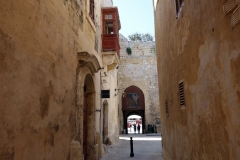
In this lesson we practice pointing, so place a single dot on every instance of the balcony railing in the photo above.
(110, 42)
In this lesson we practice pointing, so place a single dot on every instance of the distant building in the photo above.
(138, 81)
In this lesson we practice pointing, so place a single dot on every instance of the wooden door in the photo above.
(85, 126)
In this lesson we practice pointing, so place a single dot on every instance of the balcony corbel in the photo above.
(110, 60)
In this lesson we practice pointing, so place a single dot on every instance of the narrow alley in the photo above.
(78, 78)
(145, 147)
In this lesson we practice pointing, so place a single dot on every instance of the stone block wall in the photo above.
(140, 69)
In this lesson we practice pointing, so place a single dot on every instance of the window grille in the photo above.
(166, 105)
(233, 7)
(229, 6)
(235, 17)
(181, 94)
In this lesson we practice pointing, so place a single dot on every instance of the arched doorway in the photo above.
(84, 143)
(105, 122)
(88, 117)
(133, 103)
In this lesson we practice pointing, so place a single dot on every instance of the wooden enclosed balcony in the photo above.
(110, 42)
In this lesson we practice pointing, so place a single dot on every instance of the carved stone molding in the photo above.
(89, 60)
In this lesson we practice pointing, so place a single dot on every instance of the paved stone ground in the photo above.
(145, 147)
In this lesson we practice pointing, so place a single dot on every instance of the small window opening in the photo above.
(179, 4)
(109, 28)
(108, 16)
(181, 94)
(166, 106)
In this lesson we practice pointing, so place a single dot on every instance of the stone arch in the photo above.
(138, 113)
(134, 113)
(131, 105)
(139, 104)
(138, 86)
(85, 102)
(105, 121)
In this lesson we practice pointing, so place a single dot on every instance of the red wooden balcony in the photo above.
(110, 42)
(110, 30)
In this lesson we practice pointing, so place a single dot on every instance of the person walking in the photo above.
(138, 128)
(134, 126)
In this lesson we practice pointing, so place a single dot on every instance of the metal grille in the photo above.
(235, 17)
(181, 94)
(229, 5)
(166, 105)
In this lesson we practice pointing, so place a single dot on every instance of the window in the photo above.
(179, 4)
(181, 94)
(108, 16)
(91, 10)
(108, 28)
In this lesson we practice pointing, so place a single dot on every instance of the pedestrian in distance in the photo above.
(138, 128)
(134, 126)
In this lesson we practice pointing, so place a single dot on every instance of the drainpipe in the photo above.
(101, 119)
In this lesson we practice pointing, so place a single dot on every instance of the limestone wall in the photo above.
(109, 82)
(112, 108)
(201, 49)
(140, 69)
(39, 116)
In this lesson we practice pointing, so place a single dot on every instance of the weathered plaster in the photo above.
(40, 113)
(195, 48)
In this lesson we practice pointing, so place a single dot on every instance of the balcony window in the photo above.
(108, 16)
(109, 28)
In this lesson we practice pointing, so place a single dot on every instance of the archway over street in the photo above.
(133, 103)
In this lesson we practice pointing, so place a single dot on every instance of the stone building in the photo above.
(137, 73)
(51, 66)
(198, 55)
